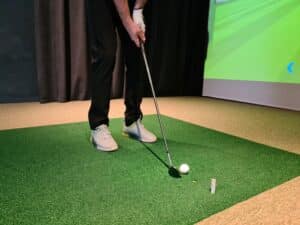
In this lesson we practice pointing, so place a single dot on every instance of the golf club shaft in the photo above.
(156, 104)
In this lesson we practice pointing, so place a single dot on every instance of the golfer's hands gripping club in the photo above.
(138, 18)
(134, 30)
(136, 33)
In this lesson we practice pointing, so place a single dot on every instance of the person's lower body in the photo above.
(102, 46)
(102, 22)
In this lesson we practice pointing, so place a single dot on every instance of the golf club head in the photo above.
(173, 172)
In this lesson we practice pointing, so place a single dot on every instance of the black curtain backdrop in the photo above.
(18, 81)
(61, 50)
(176, 44)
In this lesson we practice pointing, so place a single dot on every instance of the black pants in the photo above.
(103, 20)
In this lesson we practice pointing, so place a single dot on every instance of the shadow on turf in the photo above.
(171, 170)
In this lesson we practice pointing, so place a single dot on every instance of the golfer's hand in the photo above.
(135, 32)
(138, 18)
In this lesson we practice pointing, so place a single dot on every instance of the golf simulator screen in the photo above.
(254, 52)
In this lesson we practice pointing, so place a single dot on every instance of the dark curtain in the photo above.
(18, 81)
(176, 45)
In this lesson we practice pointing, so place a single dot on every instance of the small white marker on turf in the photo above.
(213, 185)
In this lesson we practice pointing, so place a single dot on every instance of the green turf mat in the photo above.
(52, 175)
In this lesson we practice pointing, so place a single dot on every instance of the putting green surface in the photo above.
(52, 175)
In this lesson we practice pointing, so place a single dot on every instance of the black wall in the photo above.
(18, 82)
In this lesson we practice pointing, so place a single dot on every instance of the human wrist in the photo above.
(138, 11)
(127, 21)
(138, 18)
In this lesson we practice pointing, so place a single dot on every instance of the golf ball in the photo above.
(184, 168)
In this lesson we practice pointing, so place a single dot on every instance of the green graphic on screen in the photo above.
(254, 40)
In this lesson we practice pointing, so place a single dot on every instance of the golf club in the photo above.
(172, 169)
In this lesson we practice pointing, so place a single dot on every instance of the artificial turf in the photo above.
(52, 175)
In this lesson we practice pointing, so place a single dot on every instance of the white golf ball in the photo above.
(184, 168)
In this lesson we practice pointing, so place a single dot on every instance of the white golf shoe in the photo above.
(139, 132)
(102, 139)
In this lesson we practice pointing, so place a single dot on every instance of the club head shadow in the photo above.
(173, 172)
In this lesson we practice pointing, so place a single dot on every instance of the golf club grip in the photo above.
(155, 102)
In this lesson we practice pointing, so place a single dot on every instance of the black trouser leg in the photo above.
(102, 45)
(134, 78)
